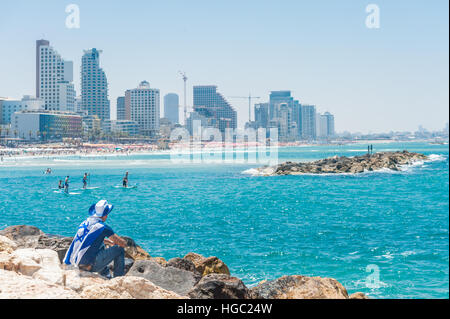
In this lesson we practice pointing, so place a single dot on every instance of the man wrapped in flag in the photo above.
(87, 250)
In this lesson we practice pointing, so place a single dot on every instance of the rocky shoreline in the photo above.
(342, 164)
(30, 267)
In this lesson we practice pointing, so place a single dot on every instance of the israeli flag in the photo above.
(87, 233)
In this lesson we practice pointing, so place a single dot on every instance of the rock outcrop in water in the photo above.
(30, 267)
(343, 164)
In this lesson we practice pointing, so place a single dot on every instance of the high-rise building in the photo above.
(120, 108)
(94, 86)
(171, 108)
(142, 106)
(330, 123)
(54, 77)
(285, 113)
(214, 107)
(261, 115)
(308, 122)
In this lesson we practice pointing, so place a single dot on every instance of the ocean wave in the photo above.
(436, 158)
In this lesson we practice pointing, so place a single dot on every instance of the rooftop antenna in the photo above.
(184, 77)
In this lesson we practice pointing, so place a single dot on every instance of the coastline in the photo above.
(31, 267)
(58, 150)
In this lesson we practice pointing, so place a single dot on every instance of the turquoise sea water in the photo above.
(353, 228)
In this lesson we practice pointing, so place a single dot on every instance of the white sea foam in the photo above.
(436, 158)
(251, 171)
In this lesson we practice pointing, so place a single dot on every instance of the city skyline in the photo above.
(396, 76)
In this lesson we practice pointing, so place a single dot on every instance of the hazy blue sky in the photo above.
(395, 77)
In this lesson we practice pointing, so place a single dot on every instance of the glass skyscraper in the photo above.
(94, 86)
(171, 108)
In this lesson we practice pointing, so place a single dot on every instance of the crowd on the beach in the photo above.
(70, 150)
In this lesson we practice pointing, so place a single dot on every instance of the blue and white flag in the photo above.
(87, 233)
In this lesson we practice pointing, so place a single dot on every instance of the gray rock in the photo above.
(182, 263)
(174, 279)
(220, 286)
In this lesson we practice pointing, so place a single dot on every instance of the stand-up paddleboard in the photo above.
(90, 188)
(61, 191)
(128, 187)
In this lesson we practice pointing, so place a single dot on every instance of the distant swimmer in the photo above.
(66, 184)
(125, 180)
(48, 171)
(60, 185)
(85, 178)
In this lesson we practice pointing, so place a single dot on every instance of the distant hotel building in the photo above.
(325, 125)
(294, 121)
(54, 78)
(129, 128)
(214, 107)
(94, 86)
(142, 106)
(308, 113)
(46, 125)
(120, 108)
(281, 112)
(171, 108)
(9, 106)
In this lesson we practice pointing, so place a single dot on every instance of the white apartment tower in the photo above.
(94, 86)
(54, 78)
(142, 106)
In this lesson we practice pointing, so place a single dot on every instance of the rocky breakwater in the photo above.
(342, 164)
(30, 267)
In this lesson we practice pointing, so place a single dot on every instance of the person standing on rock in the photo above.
(87, 250)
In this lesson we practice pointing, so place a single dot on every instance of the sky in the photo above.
(394, 77)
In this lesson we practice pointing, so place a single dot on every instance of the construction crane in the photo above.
(184, 77)
(249, 97)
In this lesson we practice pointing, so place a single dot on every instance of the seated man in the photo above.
(87, 250)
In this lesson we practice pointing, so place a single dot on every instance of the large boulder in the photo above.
(174, 279)
(219, 286)
(7, 245)
(300, 287)
(59, 244)
(41, 264)
(17, 286)
(182, 263)
(77, 280)
(210, 265)
(358, 295)
(134, 251)
(23, 235)
(127, 287)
